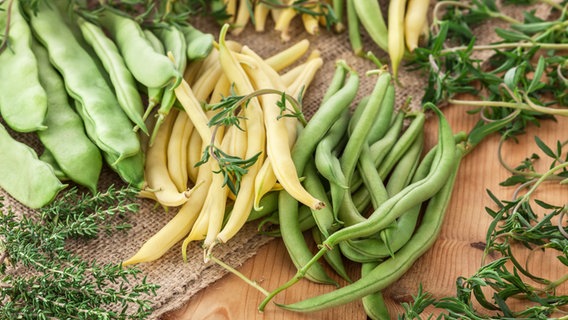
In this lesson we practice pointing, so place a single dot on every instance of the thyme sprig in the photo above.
(227, 113)
(43, 279)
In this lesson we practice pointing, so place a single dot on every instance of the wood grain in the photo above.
(457, 252)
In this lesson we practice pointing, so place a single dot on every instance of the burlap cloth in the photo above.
(179, 280)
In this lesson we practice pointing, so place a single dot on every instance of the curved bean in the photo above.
(23, 176)
(78, 158)
(107, 125)
(392, 269)
(137, 52)
(23, 101)
(199, 44)
(323, 119)
(122, 81)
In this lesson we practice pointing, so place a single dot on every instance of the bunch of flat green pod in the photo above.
(86, 88)
(385, 194)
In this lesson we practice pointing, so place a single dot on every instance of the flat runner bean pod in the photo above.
(199, 44)
(175, 45)
(154, 94)
(26, 178)
(105, 123)
(23, 101)
(78, 158)
(123, 83)
(392, 269)
(148, 67)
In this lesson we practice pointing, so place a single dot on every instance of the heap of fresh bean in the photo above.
(385, 194)
(81, 86)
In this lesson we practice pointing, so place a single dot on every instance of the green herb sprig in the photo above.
(227, 114)
(43, 279)
(514, 222)
(526, 66)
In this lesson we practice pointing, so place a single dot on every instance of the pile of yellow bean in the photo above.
(208, 210)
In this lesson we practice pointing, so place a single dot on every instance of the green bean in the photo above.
(301, 153)
(391, 209)
(23, 176)
(130, 169)
(324, 217)
(380, 148)
(122, 80)
(374, 303)
(353, 26)
(268, 204)
(47, 157)
(294, 241)
(336, 83)
(357, 112)
(413, 194)
(403, 172)
(174, 43)
(392, 269)
(323, 118)
(371, 17)
(65, 139)
(306, 221)
(384, 117)
(146, 65)
(96, 103)
(154, 94)
(373, 248)
(327, 162)
(333, 257)
(402, 145)
(199, 44)
(23, 101)
(358, 136)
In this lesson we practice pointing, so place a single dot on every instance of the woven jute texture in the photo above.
(180, 280)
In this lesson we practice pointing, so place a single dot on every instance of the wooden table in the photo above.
(457, 252)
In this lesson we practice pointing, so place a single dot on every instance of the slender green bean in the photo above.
(374, 303)
(333, 258)
(353, 26)
(294, 241)
(323, 119)
(358, 136)
(371, 17)
(391, 209)
(392, 269)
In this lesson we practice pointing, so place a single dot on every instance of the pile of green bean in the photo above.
(385, 195)
(81, 86)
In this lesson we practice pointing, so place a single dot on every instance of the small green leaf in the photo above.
(544, 147)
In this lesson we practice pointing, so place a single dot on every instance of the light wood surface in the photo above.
(457, 252)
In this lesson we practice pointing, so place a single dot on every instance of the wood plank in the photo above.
(457, 252)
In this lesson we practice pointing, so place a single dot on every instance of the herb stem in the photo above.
(529, 106)
(296, 105)
(512, 45)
